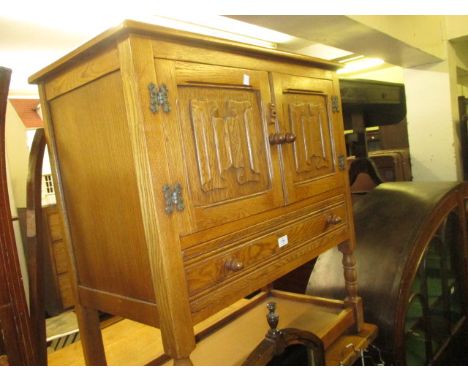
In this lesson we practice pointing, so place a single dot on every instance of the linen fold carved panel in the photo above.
(224, 142)
(309, 123)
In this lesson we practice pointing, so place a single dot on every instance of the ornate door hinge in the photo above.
(173, 198)
(273, 115)
(158, 98)
(335, 104)
(341, 162)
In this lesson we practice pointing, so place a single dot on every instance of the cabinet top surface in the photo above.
(127, 27)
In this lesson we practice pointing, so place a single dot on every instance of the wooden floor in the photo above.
(129, 343)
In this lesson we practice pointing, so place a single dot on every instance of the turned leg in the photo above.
(183, 362)
(350, 275)
(90, 336)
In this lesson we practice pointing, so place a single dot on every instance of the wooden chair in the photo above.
(363, 175)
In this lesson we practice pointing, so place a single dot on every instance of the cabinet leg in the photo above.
(90, 336)
(350, 275)
(183, 362)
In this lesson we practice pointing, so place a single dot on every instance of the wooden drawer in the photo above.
(226, 265)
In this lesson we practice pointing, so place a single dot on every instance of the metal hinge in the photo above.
(273, 114)
(335, 104)
(173, 198)
(341, 162)
(158, 98)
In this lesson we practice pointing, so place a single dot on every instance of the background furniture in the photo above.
(192, 172)
(58, 292)
(372, 104)
(412, 265)
(393, 165)
(463, 135)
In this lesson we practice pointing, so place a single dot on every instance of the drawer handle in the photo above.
(334, 220)
(233, 265)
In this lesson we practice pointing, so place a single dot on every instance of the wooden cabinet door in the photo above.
(222, 128)
(305, 110)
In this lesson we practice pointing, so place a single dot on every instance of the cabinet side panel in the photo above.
(100, 189)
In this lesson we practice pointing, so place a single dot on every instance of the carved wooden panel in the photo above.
(312, 149)
(310, 165)
(224, 141)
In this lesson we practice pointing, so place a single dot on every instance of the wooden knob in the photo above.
(290, 137)
(233, 265)
(276, 139)
(334, 219)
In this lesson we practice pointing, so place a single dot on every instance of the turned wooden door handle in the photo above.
(277, 139)
(290, 137)
(233, 265)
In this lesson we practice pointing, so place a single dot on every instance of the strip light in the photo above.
(360, 64)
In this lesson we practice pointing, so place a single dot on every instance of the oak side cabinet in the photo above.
(192, 172)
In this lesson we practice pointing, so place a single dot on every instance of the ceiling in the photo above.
(30, 39)
(345, 33)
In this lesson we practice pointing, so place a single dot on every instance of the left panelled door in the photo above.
(220, 120)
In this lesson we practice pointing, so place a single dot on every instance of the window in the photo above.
(48, 184)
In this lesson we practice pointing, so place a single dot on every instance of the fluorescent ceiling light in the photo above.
(103, 16)
(325, 52)
(226, 24)
(361, 64)
(222, 27)
(352, 58)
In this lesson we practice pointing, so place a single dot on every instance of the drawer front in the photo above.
(231, 264)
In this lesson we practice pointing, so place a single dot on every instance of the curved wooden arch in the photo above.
(394, 224)
(34, 248)
(15, 325)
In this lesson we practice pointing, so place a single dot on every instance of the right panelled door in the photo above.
(304, 108)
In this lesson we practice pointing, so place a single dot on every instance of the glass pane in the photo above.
(435, 306)
(415, 339)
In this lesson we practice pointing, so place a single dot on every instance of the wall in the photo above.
(456, 27)
(431, 124)
(17, 164)
(388, 74)
(18, 155)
